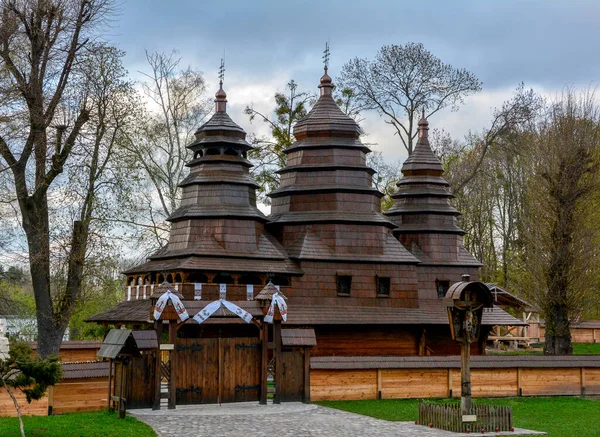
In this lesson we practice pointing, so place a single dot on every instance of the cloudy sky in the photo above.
(545, 44)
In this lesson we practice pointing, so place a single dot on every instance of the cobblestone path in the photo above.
(285, 420)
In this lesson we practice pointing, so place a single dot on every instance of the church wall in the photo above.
(347, 202)
(318, 285)
(337, 156)
(365, 341)
(429, 275)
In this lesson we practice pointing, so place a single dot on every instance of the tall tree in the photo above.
(562, 235)
(177, 107)
(41, 44)
(268, 150)
(403, 80)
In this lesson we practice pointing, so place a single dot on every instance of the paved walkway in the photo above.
(285, 420)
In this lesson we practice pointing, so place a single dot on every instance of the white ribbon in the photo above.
(280, 302)
(212, 307)
(162, 301)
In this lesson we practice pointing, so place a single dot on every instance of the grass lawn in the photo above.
(578, 349)
(98, 423)
(558, 416)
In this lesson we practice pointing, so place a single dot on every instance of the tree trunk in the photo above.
(558, 335)
(12, 396)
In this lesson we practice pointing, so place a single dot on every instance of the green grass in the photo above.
(578, 349)
(95, 424)
(586, 348)
(558, 416)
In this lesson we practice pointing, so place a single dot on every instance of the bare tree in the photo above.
(562, 236)
(511, 117)
(41, 43)
(403, 80)
(176, 106)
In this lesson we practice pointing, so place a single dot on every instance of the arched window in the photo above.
(212, 151)
(198, 154)
(231, 152)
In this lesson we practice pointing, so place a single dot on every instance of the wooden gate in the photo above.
(134, 380)
(213, 370)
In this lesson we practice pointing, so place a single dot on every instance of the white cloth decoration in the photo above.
(222, 291)
(207, 311)
(249, 292)
(198, 291)
(162, 301)
(145, 285)
(243, 314)
(129, 292)
(137, 292)
(212, 307)
(280, 302)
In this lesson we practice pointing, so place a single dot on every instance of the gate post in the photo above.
(158, 325)
(173, 365)
(278, 360)
(264, 362)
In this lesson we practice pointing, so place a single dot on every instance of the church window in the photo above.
(383, 286)
(442, 287)
(344, 285)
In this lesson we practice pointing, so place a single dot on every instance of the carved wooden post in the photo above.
(465, 370)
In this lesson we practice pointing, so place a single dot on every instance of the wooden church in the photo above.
(356, 281)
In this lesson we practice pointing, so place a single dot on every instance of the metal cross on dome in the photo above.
(326, 55)
(222, 70)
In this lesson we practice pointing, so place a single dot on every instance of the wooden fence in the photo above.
(350, 378)
(84, 387)
(488, 418)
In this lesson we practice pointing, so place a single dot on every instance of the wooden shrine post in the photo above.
(465, 302)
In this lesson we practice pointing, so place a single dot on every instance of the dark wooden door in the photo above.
(240, 369)
(212, 370)
(197, 371)
(134, 380)
(293, 376)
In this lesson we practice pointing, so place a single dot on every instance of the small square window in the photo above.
(383, 286)
(442, 287)
(344, 285)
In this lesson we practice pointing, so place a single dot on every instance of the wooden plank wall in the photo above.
(7, 407)
(75, 395)
(426, 383)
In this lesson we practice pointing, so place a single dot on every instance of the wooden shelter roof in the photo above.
(504, 298)
(92, 369)
(298, 337)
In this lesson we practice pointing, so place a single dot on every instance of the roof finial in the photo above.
(326, 56)
(326, 85)
(221, 97)
(423, 127)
